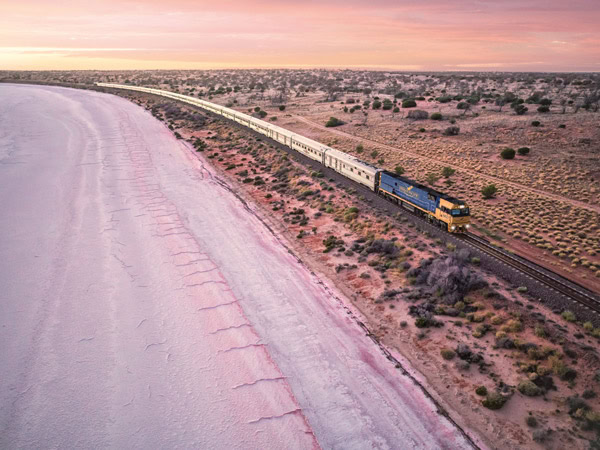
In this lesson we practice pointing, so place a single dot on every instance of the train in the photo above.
(442, 210)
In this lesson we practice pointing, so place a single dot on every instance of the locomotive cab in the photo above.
(454, 214)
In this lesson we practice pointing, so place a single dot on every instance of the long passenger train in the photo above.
(447, 212)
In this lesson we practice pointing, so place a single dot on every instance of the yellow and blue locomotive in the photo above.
(446, 212)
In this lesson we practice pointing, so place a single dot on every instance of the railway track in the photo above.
(552, 280)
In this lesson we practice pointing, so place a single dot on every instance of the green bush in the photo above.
(409, 103)
(422, 322)
(334, 122)
(447, 353)
(281, 107)
(523, 150)
(399, 170)
(489, 191)
(535, 123)
(451, 131)
(376, 104)
(481, 390)
(448, 172)
(507, 153)
(494, 400)
(561, 370)
(436, 116)
(529, 388)
(531, 421)
(569, 316)
(543, 109)
(396, 109)
(520, 109)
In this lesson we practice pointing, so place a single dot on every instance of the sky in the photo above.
(412, 35)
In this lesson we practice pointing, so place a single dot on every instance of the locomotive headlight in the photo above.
(453, 227)
(467, 226)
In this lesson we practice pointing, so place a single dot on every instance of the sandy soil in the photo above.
(144, 306)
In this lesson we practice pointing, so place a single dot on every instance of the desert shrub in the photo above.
(331, 242)
(451, 131)
(529, 388)
(592, 421)
(588, 326)
(494, 400)
(399, 170)
(507, 153)
(383, 247)
(421, 322)
(575, 403)
(522, 289)
(281, 107)
(476, 260)
(481, 390)
(436, 116)
(541, 435)
(448, 172)
(513, 326)
(489, 191)
(545, 102)
(409, 103)
(444, 99)
(450, 277)
(463, 105)
(359, 148)
(447, 353)
(418, 114)
(432, 178)
(535, 123)
(376, 104)
(387, 104)
(569, 316)
(588, 393)
(531, 421)
(481, 330)
(523, 150)
(543, 109)
(560, 369)
(520, 109)
(540, 331)
(333, 122)
(396, 109)
(262, 114)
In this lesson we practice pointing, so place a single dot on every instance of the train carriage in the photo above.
(447, 212)
(351, 167)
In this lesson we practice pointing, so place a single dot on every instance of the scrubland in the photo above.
(513, 371)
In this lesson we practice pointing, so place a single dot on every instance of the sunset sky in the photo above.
(498, 35)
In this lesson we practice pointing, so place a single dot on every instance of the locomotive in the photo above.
(440, 209)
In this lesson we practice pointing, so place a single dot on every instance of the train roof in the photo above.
(337, 153)
(342, 156)
(425, 188)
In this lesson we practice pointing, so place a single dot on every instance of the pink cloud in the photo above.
(432, 34)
